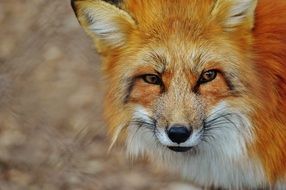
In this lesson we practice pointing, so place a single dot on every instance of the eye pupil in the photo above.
(152, 79)
(208, 76)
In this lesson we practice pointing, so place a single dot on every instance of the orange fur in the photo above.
(180, 39)
(270, 52)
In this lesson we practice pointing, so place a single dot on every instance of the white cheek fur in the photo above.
(222, 160)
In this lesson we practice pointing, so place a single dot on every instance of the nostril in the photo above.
(178, 133)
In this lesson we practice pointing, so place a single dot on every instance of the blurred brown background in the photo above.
(52, 136)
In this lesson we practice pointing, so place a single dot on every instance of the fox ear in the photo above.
(106, 23)
(235, 13)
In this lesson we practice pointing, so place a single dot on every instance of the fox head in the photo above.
(181, 86)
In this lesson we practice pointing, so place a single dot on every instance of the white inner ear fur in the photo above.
(108, 23)
(240, 10)
(104, 28)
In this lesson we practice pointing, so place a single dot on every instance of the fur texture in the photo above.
(156, 53)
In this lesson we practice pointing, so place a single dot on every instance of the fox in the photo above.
(197, 86)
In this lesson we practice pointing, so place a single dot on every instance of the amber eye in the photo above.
(152, 79)
(208, 76)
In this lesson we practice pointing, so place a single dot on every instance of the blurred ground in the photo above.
(52, 136)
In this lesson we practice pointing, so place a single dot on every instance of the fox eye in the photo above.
(152, 79)
(208, 76)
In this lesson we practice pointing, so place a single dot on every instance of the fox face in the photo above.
(183, 86)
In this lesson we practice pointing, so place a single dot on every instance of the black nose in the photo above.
(179, 133)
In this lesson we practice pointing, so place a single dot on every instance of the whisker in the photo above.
(143, 124)
(216, 112)
(212, 125)
(148, 124)
(220, 119)
(231, 122)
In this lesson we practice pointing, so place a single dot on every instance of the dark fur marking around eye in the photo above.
(228, 81)
(229, 84)
(130, 85)
(229, 77)
(114, 2)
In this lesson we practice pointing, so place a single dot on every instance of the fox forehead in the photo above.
(181, 55)
(172, 35)
(148, 11)
(182, 43)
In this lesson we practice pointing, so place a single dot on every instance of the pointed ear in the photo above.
(233, 14)
(107, 24)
